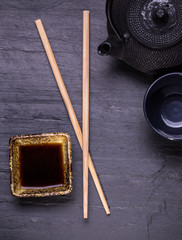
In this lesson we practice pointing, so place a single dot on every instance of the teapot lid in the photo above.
(154, 23)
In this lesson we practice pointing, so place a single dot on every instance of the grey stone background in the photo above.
(140, 172)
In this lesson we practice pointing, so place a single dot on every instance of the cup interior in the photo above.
(163, 106)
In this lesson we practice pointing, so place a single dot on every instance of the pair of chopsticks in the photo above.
(81, 138)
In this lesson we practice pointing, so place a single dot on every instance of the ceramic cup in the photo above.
(163, 106)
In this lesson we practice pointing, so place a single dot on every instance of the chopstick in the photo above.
(85, 110)
(69, 107)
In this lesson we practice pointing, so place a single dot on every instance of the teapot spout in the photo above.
(104, 48)
(110, 46)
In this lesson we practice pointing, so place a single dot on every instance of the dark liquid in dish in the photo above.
(41, 165)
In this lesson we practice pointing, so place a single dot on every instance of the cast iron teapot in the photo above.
(145, 34)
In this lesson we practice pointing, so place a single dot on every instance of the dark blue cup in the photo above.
(163, 106)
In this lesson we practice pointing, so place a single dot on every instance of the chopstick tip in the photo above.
(86, 11)
(38, 20)
(85, 216)
(108, 213)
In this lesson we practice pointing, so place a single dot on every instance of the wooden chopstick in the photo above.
(69, 107)
(85, 110)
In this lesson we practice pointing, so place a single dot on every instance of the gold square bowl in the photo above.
(41, 165)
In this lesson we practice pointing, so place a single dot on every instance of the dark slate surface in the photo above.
(140, 172)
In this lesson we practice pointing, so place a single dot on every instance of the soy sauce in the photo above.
(41, 165)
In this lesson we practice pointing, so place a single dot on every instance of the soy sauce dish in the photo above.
(41, 165)
(163, 106)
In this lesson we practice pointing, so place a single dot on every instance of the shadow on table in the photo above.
(170, 150)
(120, 67)
(44, 201)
